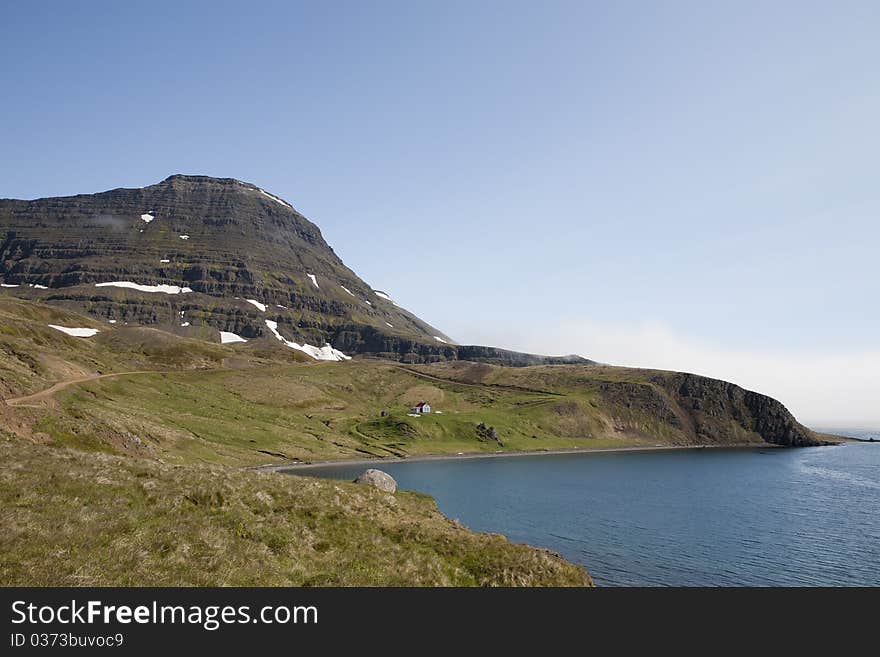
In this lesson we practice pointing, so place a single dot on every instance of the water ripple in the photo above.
(808, 517)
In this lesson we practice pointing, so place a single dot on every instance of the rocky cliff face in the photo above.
(236, 255)
(695, 410)
(719, 410)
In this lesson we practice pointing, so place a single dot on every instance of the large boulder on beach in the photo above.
(379, 479)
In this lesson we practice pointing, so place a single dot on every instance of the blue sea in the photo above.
(701, 517)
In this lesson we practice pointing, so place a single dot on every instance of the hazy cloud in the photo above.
(839, 388)
(111, 221)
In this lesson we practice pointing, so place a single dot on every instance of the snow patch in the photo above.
(278, 305)
(164, 260)
(260, 306)
(75, 332)
(347, 290)
(183, 237)
(167, 289)
(185, 324)
(7, 285)
(276, 199)
(367, 302)
(382, 295)
(37, 286)
(326, 352)
(147, 218)
(439, 339)
(314, 280)
(226, 337)
(111, 321)
(389, 325)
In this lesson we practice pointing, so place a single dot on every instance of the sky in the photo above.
(682, 185)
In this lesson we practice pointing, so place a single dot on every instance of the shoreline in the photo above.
(293, 466)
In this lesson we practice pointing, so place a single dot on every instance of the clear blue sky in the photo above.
(691, 185)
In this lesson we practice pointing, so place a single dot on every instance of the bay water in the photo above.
(696, 517)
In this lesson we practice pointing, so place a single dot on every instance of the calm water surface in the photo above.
(798, 517)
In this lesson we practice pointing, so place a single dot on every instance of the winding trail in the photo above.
(30, 400)
(488, 386)
(34, 398)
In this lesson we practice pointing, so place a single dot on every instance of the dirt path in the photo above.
(33, 399)
(30, 400)
(490, 386)
(370, 442)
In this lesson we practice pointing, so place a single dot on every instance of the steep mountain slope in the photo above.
(197, 255)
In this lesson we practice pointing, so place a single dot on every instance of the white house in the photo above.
(421, 407)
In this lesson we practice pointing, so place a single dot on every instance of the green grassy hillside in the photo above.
(75, 513)
(191, 400)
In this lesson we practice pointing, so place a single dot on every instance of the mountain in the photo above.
(197, 255)
(216, 274)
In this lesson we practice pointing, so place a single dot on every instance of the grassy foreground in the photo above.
(76, 519)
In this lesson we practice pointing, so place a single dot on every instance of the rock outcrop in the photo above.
(714, 406)
(689, 409)
(381, 480)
